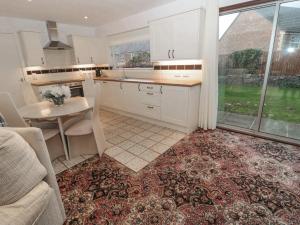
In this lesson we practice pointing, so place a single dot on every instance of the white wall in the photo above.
(12, 25)
(141, 20)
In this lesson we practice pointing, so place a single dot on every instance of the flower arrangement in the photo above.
(56, 94)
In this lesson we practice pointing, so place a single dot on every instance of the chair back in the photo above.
(28, 93)
(10, 112)
(88, 87)
(97, 124)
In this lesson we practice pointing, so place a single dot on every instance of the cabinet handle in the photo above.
(139, 87)
(150, 107)
(92, 61)
(42, 59)
(150, 93)
(121, 86)
(78, 60)
(173, 53)
(149, 87)
(104, 82)
(169, 53)
(161, 87)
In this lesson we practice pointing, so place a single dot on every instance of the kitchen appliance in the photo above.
(54, 43)
(98, 72)
(76, 89)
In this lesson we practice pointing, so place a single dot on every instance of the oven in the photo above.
(76, 89)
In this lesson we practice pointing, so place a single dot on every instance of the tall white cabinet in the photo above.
(177, 37)
(32, 48)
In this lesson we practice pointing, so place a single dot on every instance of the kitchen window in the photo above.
(132, 55)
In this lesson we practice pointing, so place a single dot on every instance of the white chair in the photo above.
(28, 93)
(88, 86)
(87, 136)
(13, 119)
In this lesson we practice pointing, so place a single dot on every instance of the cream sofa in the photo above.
(27, 205)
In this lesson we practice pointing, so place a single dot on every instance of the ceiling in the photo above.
(73, 11)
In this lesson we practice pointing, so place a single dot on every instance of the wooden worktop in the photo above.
(183, 83)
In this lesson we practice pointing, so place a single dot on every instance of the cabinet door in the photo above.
(131, 97)
(82, 46)
(186, 36)
(161, 39)
(174, 105)
(97, 51)
(32, 48)
(105, 94)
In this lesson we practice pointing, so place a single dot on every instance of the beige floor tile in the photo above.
(137, 164)
(137, 130)
(87, 156)
(58, 166)
(127, 134)
(160, 148)
(149, 155)
(166, 132)
(169, 141)
(137, 149)
(126, 144)
(109, 145)
(156, 129)
(147, 143)
(146, 126)
(157, 137)
(74, 161)
(137, 138)
(113, 151)
(116, 140)
(146, 133)
(177, 135)
(124, 157)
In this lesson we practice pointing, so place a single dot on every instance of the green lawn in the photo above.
(281, 103)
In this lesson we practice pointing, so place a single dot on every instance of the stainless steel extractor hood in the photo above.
(54, 43)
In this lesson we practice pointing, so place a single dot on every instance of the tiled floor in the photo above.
(134, 143)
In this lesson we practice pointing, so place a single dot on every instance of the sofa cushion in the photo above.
(20, 169)
(27, 210)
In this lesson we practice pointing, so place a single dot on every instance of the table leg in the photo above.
(62, 134)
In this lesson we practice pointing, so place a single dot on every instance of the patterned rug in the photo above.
(215, 177)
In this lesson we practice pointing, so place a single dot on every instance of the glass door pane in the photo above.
(243, 50)
(281, 114)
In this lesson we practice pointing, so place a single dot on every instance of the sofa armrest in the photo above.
(35, 139)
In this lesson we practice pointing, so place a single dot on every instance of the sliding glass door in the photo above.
(281, 111)
(259, 69)
(243, 50)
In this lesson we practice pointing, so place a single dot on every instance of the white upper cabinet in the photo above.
(161, 39)
(32, 48)
(177, 37)
(88, 50)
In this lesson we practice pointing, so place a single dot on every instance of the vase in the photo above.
(58, 101)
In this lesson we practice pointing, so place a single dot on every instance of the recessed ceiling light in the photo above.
(29, 0)
(85, 17)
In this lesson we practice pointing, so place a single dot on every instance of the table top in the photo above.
(46, 109)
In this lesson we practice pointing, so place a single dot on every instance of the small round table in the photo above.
(47, 110)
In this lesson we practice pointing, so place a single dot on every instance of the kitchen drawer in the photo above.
(150, 98)
(151, 111)
(150, 87)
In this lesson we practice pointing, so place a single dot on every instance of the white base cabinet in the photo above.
(174, 105)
